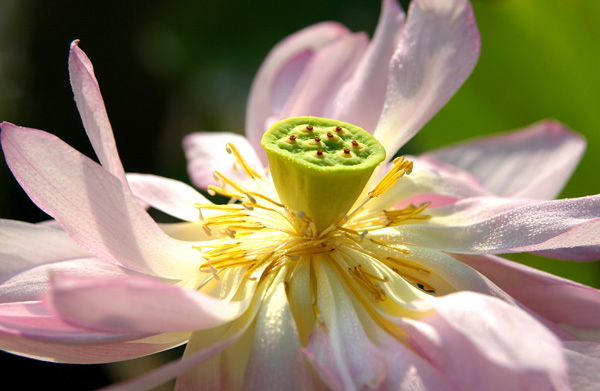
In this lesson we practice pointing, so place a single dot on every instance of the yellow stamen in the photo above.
(258, 232)
(242, 162)
(398, 170)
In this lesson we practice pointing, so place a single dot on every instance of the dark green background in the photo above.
(170, 68)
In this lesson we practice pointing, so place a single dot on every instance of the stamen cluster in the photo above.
(258, 232)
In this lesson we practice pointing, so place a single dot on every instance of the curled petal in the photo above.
(483, 343)
(534, 162)
(137, 304)
(93, 113)
(437, 51)
(207, 152)
(92, 205)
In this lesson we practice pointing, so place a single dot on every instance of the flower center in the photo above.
(320, 166)
(259, 232)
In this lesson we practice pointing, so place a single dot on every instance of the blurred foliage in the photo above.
(170, 68)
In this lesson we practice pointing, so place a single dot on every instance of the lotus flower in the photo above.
(404, 290)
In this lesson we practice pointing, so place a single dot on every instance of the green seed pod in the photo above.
(320, 166)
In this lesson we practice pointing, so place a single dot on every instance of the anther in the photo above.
(309, 127)
(320, 152)
(250, 198)
(354, 143)
(292, 137)
(346, 151)
(318, 139)
(329, 135)
(338, 129)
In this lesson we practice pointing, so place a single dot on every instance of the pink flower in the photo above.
(406, 298)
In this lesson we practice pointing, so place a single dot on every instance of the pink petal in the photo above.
(483, 343)
(23, 245)
(583, 366)
(32, 320)
(323, 76)
(137, 304)
(406, 370)
(92, 205)
(82, 354)
(496, 226)
(167, 195)
(93, 113)
(320, 353)
(557, 299)
(437, 52)
(32, 282)
(206, 153)
(590, 349)
(534, 162)
(342, 349)
(583, 253)
(279, 73)
(369, 81)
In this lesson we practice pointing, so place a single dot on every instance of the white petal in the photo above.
(342, 348)
(167, 195)
(207, 153)
(275, 361)
(504, 225)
